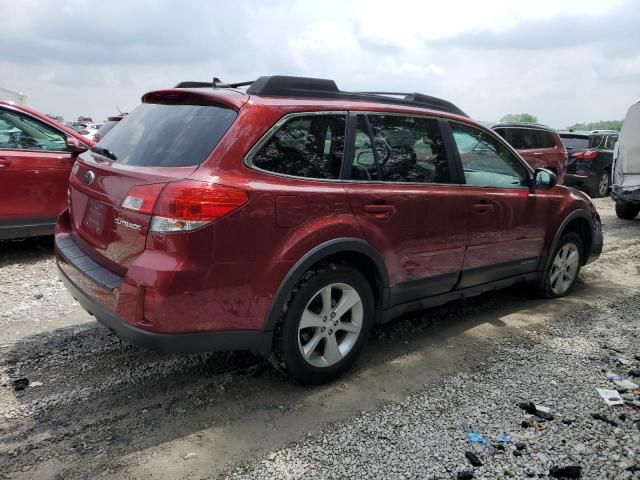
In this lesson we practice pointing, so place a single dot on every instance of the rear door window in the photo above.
(522, 138)
(407, 149)
(309, 146)
(156, 135)
(544, 139)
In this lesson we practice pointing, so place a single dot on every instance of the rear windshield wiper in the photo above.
(105, 152)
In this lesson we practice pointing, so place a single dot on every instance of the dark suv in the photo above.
(288, 217)
(590, 159)
(539, 145)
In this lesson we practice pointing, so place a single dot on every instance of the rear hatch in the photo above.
(576, 145)
(114, 186)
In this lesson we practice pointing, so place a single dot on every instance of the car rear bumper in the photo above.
(251, 340)
(627, 196)
(116, 302)
(574, 180)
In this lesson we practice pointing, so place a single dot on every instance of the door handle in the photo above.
(482, 207)
(380, 211)
(4, 162)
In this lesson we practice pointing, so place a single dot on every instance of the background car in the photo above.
(90, 130)
(36, 157)
(590, 160)
(106, 126)
(626, 166)
(538, 144)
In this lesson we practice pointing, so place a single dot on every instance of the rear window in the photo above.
(575, 142)
(522, 138)
(168, 135)
(106, 126)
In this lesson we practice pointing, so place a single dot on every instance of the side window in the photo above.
(596, 141)
(502, 132)
(611, 142)
(364, 165)
(309, 146)
(485, 161)
(544, 139)
(19, 132)
(522, 138)
(407, 150)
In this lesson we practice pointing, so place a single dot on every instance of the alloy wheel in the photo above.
(330, 325)
(564, 269)
(603, 184)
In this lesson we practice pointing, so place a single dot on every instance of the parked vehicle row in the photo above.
(286, 217)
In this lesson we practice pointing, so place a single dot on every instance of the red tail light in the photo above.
(142, 198)
(84, 132)
(588, 155)
(189, 204)
(96, 138)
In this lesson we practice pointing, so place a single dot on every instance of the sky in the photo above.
(565, 61)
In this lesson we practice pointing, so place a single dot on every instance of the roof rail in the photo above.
(306, 87)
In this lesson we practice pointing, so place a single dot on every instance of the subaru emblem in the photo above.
(89, 177)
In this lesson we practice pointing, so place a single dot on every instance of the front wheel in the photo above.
(564, 268)
(325, 325)
(626, 210)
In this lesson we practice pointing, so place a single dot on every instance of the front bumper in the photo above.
(627, 196)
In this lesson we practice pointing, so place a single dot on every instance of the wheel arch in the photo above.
(579, 222)
(353, 251)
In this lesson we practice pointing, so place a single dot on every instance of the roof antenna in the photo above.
(119, 111)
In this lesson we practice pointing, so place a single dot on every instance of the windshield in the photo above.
(168, 135)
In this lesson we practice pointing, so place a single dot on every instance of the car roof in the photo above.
(43, 118)
(295, 92)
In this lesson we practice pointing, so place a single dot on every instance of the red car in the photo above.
(539, 145)
(288, 218)
(36, 156)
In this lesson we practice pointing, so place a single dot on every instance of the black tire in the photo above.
(547, 290)
(287, 353)
(601, 187)
(626, 210)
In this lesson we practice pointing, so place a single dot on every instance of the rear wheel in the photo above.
(601, 188)
(626, 210)
(565, 266)
(325, 325)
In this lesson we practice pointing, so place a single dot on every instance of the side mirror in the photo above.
(545, 178)
(76, 146)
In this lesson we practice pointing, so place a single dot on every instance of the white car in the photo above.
(90, 130)
(626, 166)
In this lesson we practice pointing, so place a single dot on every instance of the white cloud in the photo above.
(565, 61)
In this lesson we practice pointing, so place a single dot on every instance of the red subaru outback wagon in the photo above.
(288, 217)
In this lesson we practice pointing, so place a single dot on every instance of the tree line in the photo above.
(599, 125)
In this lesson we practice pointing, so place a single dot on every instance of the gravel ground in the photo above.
(98, 407)
(424, 435)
